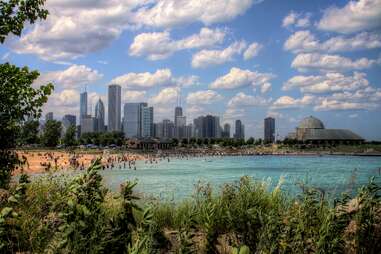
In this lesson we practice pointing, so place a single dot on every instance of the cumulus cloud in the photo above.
(162, 77)
(354, 16)
(329, 105)
(76, 28)
(242, 99)
(133, 96)
(203, 97)
(145, 79)
(325, 62)
(206, 58)
(330, 82)
(160, 45)
(169, 13)
(237, 78)
(296, 19)
(285, 102)
(305, 41)
(252, 50)
(72, 77)
(166, 96)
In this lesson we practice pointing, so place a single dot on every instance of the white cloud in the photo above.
(329, 105)
(313, 61)
(265, 87)
(203, 97)
(72, 77)
(162, 77)
(354, 16)
(242, 99)
(296, 19)
(145, 79)
(159, 45)
(289, 102)
(239, 78)
(133, 96)
(252, 50)
(76, 28)
(330, 82)
(305, 41)
(206, 58)
(169, 13)
(166, 96)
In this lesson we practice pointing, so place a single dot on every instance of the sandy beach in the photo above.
(44, 160)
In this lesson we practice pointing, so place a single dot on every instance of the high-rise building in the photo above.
(99, 116)
(239, 130)
(88, 124)
(168, 129)
(180, 127)
(114, 108)
(132, 119)
(269, 127)
(158, 130)
(49, 116)
(226, 131)
(147, 121)
(207, 127)
(68, 120)
(82, 107)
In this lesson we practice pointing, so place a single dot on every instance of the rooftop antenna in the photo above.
(179, 96)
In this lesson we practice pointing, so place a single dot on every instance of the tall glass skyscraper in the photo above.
(82, 107)
(269, 135)
(114, 107)
(132, 119)
(99, 116)
(147, 121)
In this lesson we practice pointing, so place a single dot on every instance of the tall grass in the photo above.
(65, 215)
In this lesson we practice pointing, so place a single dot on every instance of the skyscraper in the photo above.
(207, 127)
(99, 116)
(147, 121)
(239, 130)
(82, 107)
(269, 129)
(114, 108)
(88, 124)
(68, 120)
(168, 128)
(49, 116)
(132, 119)
(226, 132)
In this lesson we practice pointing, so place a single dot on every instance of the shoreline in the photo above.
(46, 160)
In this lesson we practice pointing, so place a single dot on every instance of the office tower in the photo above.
(158, 130)
(146, 121)
(239, 130)
(49, 116)
(88, 124)
(99, 116)
(189, 131)
(132, 119)
(212, 125)
(269, 129)
(82, 107)
(168, 129)
(114, 107)
(198, 127)
(226, 131)
(180, 126)
(68, 120)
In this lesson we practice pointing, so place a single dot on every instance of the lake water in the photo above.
(176, 179)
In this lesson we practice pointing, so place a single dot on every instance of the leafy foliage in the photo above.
(14, 13)
(69, 137)
(52, 133)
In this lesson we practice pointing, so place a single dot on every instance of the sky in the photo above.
(239, 59)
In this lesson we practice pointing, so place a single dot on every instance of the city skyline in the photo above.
(306, 60)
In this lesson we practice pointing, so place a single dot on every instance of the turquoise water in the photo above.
(176, 179)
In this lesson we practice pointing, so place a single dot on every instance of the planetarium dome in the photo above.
(311, 123)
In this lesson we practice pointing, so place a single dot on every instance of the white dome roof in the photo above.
(311, 123)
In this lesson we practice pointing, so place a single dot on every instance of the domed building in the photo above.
(311, 130)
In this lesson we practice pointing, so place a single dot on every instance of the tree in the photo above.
(52, 133)
(250, 141)
(69, 137)
(18, 100)
(29, 133)
(15, 13)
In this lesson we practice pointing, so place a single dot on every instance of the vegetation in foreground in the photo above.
(79, 215)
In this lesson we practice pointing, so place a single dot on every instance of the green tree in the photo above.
(52, 133)
(250, 141)
(69, 137)
(18, 100)
(29, 133)
(15, 13)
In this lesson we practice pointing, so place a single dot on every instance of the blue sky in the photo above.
(239, 59)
